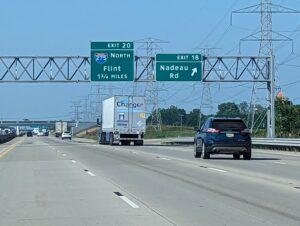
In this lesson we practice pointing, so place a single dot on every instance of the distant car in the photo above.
(29, 134)
(223, 136)
(57, 134)
(40, 134)
(46, 133)
(66, 135)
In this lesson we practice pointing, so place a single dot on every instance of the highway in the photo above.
(47, 181)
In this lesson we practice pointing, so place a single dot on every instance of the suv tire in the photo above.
(247, 155)
(204, 154)
(197, 154)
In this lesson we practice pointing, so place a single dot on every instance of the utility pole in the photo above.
(266, 36)
(150, 46)
(181, 115)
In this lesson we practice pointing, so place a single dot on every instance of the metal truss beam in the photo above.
(144, 64)
(28, 69)
(236, 69)
(44, 69)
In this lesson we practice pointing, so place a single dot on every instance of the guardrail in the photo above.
(291, 144)
(286, 144)
(7, 137)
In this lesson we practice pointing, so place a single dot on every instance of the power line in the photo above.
(290, 65)
(291, 83)
(218, 24)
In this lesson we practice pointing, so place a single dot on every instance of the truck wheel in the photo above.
(111, 139)
(103, 138)
(139, 143)
(125, 142)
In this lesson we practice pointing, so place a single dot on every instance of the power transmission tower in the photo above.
(150, 46)
(206, 98)
(266, 36)
(85, 108)
(101, 92)
(76, 112)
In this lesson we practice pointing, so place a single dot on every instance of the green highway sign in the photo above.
(178, 67)
(112, 61)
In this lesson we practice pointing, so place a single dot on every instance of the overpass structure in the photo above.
(76, 126)
(34, 123)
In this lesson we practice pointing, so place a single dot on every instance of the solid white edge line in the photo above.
(91, 174)
(219, 170)
(73, 161)
(129, 202)
(64, 155)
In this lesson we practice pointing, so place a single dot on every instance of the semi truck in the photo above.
(60, 127)
(123, 120)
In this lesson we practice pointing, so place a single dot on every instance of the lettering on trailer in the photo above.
(123, 103)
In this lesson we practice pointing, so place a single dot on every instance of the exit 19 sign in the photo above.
(178, 67)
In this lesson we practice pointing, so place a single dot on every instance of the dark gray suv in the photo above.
(223, 136)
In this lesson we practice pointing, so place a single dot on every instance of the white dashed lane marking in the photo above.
(89, 173)
(218, 170)
(128, 201)
(165, 159)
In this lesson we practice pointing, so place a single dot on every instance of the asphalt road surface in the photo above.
(47, 181)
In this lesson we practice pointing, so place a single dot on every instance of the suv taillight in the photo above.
(213, 130)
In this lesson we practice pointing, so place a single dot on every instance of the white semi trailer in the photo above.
(60, 127)
(123, 120)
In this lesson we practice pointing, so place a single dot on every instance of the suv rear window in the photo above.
(232, 125)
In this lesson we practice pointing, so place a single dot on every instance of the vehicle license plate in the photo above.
(229, 135)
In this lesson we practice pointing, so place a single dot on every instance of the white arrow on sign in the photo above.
(194, 71)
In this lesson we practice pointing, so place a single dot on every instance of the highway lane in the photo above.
(272, 165)
(41, 186)
(189, 191)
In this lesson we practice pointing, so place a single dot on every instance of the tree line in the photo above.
(287, 116)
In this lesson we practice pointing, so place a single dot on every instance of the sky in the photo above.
(66, 28)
